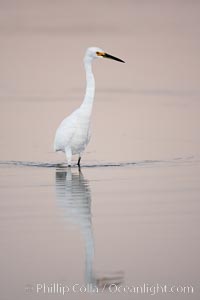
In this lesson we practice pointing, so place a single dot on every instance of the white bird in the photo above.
(73, 134)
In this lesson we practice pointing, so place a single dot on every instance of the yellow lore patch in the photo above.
(100, 53)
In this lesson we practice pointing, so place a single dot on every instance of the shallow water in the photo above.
(99, 227)
(127, 224)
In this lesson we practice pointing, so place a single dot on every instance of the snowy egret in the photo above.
(73, 134)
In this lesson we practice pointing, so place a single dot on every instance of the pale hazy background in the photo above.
(153, 99)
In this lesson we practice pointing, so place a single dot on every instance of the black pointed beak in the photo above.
(106, 55)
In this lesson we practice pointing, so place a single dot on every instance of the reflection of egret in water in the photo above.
(73, 194)
(74, 197)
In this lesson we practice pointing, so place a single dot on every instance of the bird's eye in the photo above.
(98, 53)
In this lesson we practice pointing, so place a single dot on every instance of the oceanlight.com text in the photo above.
(56, 288)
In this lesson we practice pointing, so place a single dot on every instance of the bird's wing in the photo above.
(65, 131)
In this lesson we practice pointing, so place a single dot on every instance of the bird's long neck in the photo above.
(90, 87)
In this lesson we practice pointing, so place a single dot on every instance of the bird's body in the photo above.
(74, 132)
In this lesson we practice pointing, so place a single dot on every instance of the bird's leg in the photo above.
(79, 160)
(68, 154)
(79, 169)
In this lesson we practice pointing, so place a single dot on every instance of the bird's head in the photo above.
(95, 52)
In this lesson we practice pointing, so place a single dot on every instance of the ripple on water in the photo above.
(142, 163)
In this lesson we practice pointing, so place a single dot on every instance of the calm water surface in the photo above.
(99, 227)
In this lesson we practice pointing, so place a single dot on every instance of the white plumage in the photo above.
(73, 134)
